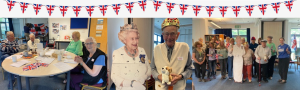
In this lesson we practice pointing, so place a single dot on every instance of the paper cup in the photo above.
(59, 57)
(14, 58)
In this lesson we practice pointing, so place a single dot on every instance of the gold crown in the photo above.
(128, 27)
(170, 22)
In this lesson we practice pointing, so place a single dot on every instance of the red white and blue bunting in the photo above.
(143, 3)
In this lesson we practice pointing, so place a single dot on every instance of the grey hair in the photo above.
(93, 39)
(124, 30)
(9, 33)
(238, 37)
(31, 35)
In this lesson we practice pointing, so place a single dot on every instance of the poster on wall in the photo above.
(55, 31)
(99, 27)
(98, 33)
(100, 21)
(55, 25)
(63, 27)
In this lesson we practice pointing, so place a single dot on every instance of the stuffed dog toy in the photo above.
(166, 75)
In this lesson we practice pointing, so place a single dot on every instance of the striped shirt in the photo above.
(9, 49)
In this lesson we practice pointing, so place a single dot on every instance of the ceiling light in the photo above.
(214, 23)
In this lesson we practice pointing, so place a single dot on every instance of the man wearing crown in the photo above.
(172, 54)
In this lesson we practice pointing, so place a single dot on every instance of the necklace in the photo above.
(131, 55)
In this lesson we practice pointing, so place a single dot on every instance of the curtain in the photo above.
(227, 32)
(248, 35)
(11, 28)
(162, 39)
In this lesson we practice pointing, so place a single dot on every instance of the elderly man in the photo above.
(8, 48)
(32, 43)
(262, 54)
(172, 54)
(253, 47)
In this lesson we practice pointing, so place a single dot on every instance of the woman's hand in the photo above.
(221, 55)
(78, 59)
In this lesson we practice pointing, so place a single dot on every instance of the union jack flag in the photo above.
(223, 10)
(90, 9)
(262, 8)
(196, 9)
(116, 8)
(63, 9)
(103, 9)
(276, 6)
(10, 4)
(294, 43)
(26, 68)
(143, 4)
(289, 4)
(236, 10)
(183, 8)
(23, 6)
(76, 10)
(249, 9)
(37, 8)
(157, 4)
(209, 10)
(129, 6)
(50, 9)
(170, 6)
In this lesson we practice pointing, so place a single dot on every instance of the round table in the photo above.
(39, 72)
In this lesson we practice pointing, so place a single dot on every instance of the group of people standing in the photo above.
(240, 59)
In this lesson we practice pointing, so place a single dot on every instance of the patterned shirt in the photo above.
(11, 47)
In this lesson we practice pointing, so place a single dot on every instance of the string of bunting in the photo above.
(157, 4)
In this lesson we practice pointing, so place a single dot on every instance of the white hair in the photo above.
(9, 33)
(93, 39)
(31, 35)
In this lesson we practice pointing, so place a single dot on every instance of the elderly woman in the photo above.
(238, 52)
(94, 66)
(247, 68)
(203, 44)
(230, 58)
(283, 53)
(259, 41)
(271, 62)
(211, 54)
(199, 61)
(222, 58)
(32, 43)
(130, 68)
(75, 46)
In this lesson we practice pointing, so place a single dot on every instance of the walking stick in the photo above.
(259, 74)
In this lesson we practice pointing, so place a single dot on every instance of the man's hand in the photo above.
(274, 51)
(258, 58)
(287, 49)
(14, 47)
(4, 45)
(159, 77)
(175, 79)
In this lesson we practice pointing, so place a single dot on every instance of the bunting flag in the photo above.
(37, 8)
(10, 4)
(223, 10)
(129, 6)
(156, 4)
(209, 10)
(289, 4)
(63, 10)
(183, 8)
(143, 4)
(262, 8)
(276, 6)
(116, 8)
(196, 9)
(50, 9)
(236, 10)
(76, 10)
(294, 46)
(23, 6)
(90, 10)
(249, 9)
(170, 6)
(103, 9)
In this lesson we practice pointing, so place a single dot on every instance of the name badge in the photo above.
(280, 50)
(200, 58)
(180, 58)
(92, 60)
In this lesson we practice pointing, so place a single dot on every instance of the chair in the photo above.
(150, 83)
(298, 62)
(49, 44)
(1, 67)
(293, 60)
(97, 86)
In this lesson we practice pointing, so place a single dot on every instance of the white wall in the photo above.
(145, 26)
(113, 28)
(201, 28)
(62, 33)
(157, 30)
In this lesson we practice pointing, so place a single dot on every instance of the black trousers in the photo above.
(263, 71)
(254, 71)
(283, 66)
(200, 70)
(271, 66)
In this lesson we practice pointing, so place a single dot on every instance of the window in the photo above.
(241, 32)
(157, 39)
(4, 26)
(295, 31)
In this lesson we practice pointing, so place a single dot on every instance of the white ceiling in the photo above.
(250, 20)
(185, 23)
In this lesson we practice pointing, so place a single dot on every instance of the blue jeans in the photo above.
(230, 64)
(212, 66)
(12, 75)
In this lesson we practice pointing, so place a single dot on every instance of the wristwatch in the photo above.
(131, 83)
(181, 76)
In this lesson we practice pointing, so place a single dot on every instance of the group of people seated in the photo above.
(240, 59)
(92, 61)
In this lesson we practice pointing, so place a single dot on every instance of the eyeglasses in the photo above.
(88, 43)
(171, 34)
